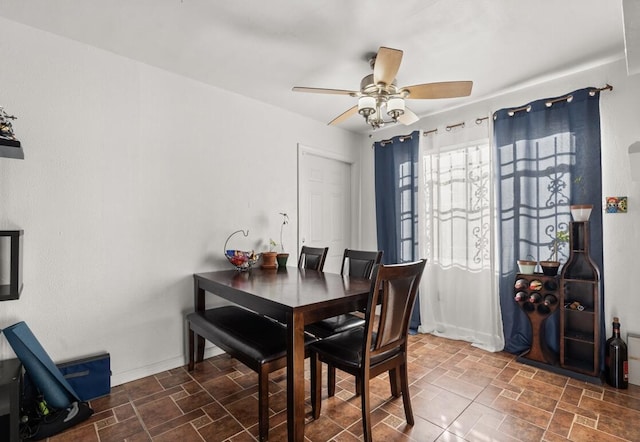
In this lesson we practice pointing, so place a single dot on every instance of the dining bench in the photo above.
(257, 341)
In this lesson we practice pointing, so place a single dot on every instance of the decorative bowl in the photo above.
(242, 260)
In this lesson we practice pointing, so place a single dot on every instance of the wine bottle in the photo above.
(616, 364)
(535, 298)
(550, 300)
(543, 309)
(521, 284)
(520, 296)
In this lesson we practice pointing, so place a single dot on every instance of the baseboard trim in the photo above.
(159, 367)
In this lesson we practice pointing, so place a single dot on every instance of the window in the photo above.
(457, 207)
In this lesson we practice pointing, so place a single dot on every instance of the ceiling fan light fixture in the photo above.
(374, 118)
(380, 97)
(366, 106)
(395, 107)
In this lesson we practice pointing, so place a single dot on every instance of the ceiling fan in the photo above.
(379, 95)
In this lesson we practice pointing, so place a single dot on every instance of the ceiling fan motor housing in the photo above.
(369, 87)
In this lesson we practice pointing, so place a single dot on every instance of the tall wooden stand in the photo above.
(578, 293)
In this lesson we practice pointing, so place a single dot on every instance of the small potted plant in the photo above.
(269, 258)
(550, 268)
(282, 256)
(527, 266)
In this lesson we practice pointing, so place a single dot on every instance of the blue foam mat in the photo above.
(41, 369)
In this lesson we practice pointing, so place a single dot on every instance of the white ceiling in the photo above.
(261, 49)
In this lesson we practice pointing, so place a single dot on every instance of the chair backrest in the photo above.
(394, 290)
(312, 258)
(360, 263)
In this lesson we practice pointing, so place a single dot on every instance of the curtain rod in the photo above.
(511, 113)
(568, 98)
(608, 87)
(432, 131)
(479, 120)
(402, 139)
(452, 126)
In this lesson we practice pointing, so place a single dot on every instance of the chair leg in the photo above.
(316, 385)
(331, 380)
(200, 346)
(191, 349)
(406, 399)
(263, 404)
(358, 386)
(394, 381)
(366, 406)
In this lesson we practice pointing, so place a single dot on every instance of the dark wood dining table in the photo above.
(294, 296)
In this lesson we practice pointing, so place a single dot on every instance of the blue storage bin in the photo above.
(90, 377)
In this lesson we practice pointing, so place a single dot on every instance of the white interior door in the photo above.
(325, 205)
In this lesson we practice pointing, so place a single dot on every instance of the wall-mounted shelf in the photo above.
(10, 264)
(11, 149)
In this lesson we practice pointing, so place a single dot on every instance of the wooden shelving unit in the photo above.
(580, 307)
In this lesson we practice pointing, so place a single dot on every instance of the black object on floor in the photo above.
(39, 426)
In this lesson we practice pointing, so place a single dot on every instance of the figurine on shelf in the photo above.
(6, 129)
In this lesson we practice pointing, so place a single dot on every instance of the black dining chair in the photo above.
(255, 340)
(312, 258)
(378, 346)
(360, 263)
(356, 263)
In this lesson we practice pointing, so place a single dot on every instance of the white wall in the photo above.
(132, 180)
(620, 126)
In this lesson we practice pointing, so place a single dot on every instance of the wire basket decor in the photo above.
(240, 259)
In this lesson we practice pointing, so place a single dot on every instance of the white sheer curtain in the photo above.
(458, 295)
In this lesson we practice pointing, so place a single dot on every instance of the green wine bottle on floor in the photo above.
(616, 364)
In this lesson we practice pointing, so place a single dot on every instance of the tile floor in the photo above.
(459, 393)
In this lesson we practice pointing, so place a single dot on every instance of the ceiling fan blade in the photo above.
(446, 89)
(386, 66)
(318, 90)
(408, 117)
(344, 116)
